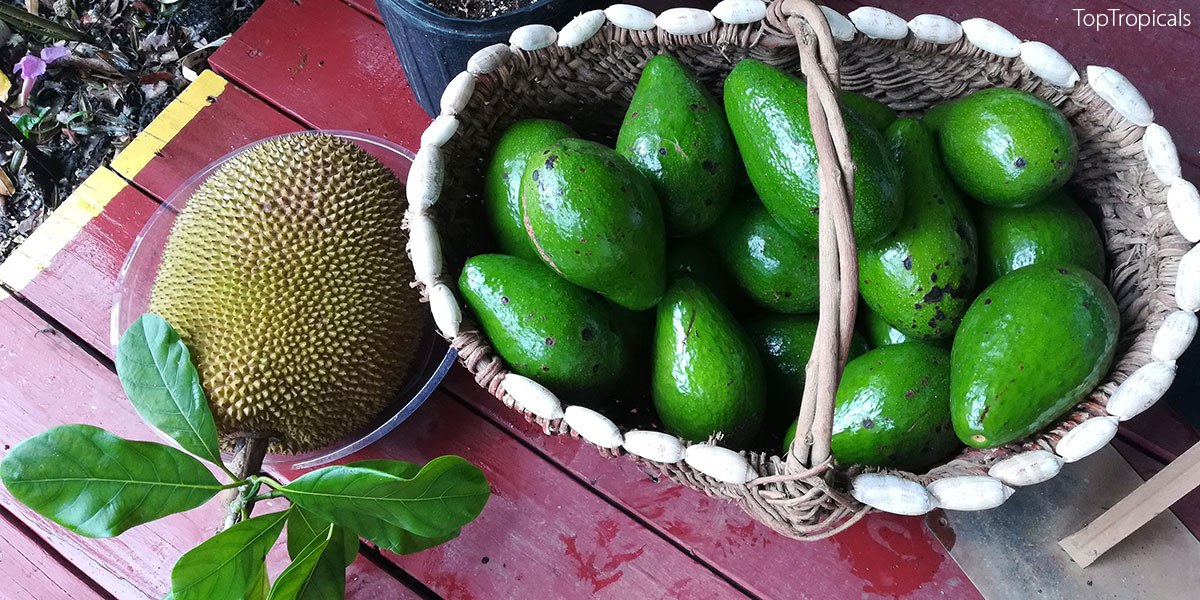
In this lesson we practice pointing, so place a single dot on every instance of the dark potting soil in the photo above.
(478, 9)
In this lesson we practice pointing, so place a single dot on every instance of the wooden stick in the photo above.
(1136, 509)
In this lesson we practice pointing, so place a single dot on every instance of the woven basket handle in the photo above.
(838, 250)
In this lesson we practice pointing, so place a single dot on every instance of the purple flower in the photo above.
(31, 67)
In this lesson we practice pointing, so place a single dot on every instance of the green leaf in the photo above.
(303, 527)
(316, 572)
(157, 373)
(230, 565)
(98, 485)
(443, 496)
(396, 539)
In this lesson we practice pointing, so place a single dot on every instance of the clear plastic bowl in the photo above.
(136, 281)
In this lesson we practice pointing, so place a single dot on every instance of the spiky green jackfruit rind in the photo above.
(285, 274)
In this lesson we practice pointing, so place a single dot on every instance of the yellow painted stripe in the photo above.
(36, 254)
(168, 123)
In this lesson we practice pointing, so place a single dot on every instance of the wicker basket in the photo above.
(1128, 177)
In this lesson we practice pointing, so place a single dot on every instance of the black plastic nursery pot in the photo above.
(434, 47)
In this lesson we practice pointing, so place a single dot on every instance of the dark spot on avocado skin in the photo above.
(868, 423)
(550, 341)
(933, 277)
(662, 151)
(908, 264)
(710, 166)
(1020, 162)
(550, 162)
(587, 334)
(1063, 271)
(814, 210)
(503, 299)
(545, 368)
(987, 300)
(909, 394)
(537, 173)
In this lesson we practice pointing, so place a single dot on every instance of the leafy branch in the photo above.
(99, 485)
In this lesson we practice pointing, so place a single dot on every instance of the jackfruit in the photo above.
(285, 275)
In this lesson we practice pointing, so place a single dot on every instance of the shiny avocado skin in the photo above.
(921, 278)
(675, 133)
(707, 376)
(775, 269)
(544, 327)
(1054, 231)
(1031, 346)
(878, 114)
(768, 113)
(784, 343)
(502, 181)
(878, 332)
(893, 409)
(1006, 147)
(595, 220)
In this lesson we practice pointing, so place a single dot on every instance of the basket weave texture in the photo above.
(590, 86)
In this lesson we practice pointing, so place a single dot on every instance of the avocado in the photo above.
(920, 278)
(675, 133)
(595, 220)
(893, 408)
(1005, 147)
(878, 114)
(502, 181)
(784, 343)
(775, 269)
(768, 113)
(707, 376)
(695, 257)
(1031, 346)
(544, 327)
(1054, 231)
(878, 332)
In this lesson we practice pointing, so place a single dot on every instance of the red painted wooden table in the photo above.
(563, 521)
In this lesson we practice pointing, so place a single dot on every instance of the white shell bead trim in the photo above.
(1161, 153)
(440, 131)
(878, 23)
(1027, 468)
(447, 314)
(1183, 200)
(532, 396)
(1187, 281)
(654, 445)
(1087, 437)
(581, 29)
(686, 21)
(740, 12)
(1047, 63)
(424, 183)
(721, 464)
(533, 37)
(970, 492)
(1117, 90)
(1174, 336)
(630, 17)
(489, 59)
(935, 29)
(458, 93)
(593, 427)
(892, 494)
(1141, 390)
(425, 249)
(839, 25)
(990, 37)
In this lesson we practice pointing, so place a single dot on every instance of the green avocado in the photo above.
(694, 257)
(768, 113)
(893, 409)
(707, 376)
(595, 220)
(1054, 231)
(675, 133)
(502, 181)
(784, 343)
(775, 269)
(878, 332)
(1031, 346)
(544, 327)
(1005, 147)
(920, 278)
(878, 114)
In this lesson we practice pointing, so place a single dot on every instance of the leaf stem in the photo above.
(271, 483)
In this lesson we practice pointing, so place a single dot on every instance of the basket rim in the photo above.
(737, 474)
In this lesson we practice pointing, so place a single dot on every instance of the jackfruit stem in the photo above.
(248, 455)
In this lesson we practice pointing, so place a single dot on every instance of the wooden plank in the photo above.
(49, 381)
(884, 555)
(335, 69)
(32, 571)
(1146, 466)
